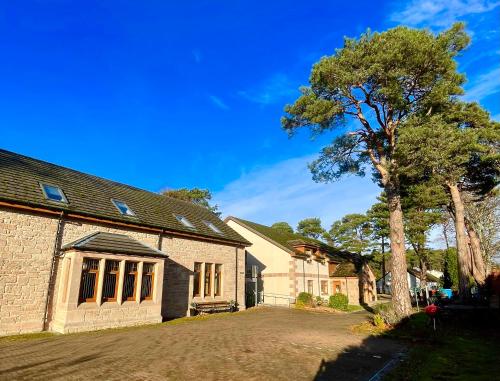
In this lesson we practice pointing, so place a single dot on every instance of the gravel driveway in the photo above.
(259, 344)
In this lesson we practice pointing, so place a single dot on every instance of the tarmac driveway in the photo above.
(259, 344)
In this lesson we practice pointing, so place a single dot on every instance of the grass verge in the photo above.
(462, 349)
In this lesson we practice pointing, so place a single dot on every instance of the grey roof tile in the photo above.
(20, 178)
(113, 243)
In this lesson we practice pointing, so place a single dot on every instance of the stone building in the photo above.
(78, 252)
(288, 264)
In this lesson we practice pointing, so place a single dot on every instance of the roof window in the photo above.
(53, 193)
(183, 220)
(123, 208)
(213, 227)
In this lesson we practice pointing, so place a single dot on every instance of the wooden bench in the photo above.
(212, 307)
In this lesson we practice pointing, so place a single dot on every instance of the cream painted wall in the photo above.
(273, 262)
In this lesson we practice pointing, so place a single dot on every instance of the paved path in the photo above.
(260, 344)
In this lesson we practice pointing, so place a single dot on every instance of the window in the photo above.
(90, 277)
(218, 280)
(53, 193)
(336, 287)
(208, 279)
(213, 227)
(110, 284)
(331, 268)
(123, 208)
(130, 281)
(197, 279)
(324, 287)
(147, 281)
(183, 220)
(310, 287)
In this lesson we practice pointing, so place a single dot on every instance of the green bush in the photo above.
(386, 311)
(304, 300)
(378, 321)
(338, 302)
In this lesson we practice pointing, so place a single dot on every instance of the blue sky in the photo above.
(164, 94)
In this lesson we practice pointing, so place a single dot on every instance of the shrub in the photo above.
(378, 321)
(338, 302)
(304, 300)
(319, 301)
(386, 311)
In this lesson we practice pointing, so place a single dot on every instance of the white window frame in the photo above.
(115, 201)
(184, 221)
(59, 189)
(213, 227)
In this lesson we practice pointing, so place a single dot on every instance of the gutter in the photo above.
(124, 224)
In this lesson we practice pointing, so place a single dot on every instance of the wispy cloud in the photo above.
(440, 13)
(273, 90)
(286, 192)
(484, 85)
(218, 102)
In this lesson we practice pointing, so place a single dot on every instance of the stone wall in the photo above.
(179, 268)
(26, 248)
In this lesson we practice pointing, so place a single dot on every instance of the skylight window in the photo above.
(183, 220)
(213, 227)
(53, 193)
(123, 208)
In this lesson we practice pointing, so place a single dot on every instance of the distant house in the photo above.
(413, 276)
(289, 264)
(78, 252)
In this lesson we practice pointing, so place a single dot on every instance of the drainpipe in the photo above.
(160, 239)
(304, 274)
(236, 275)
(55, 254)
(347, 289)
(319, 287)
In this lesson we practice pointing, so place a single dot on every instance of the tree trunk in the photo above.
(399, 281)
(383, 265)
(479, 267)
(463, 260)
(423, 276)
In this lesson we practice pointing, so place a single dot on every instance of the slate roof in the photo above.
(345, 269)
(20, 178)
(286, 240)
(113, 243)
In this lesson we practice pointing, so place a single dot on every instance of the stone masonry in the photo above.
(27, 243)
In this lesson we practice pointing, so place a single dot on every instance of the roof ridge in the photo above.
(77, 171)
(105, 180)
(292, 236)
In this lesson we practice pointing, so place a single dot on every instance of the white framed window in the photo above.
(183, 220)
(213, 227)
(53, 193)
(123, 208)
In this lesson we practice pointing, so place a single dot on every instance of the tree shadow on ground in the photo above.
(379, 354)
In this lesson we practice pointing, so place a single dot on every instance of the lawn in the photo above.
(466, 348)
